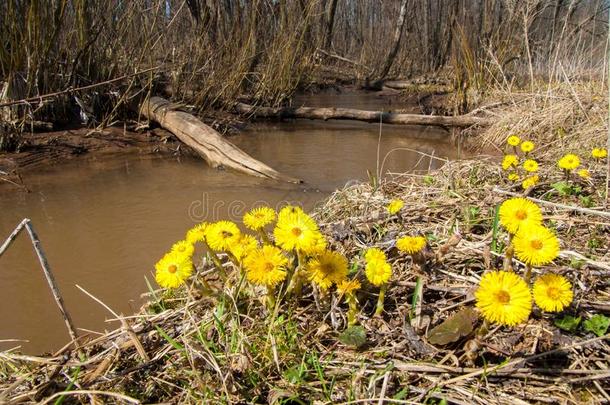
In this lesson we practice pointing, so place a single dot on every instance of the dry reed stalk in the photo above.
(44, 264)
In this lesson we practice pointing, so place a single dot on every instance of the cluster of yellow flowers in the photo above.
(570, 162)
(512, 163)
(504, 297)
(293, 253)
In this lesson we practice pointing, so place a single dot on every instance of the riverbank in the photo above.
(41, 149)
(191, 344)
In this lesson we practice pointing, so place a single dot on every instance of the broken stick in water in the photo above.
(27, 224)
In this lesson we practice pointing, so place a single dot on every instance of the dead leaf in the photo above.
(453, 328)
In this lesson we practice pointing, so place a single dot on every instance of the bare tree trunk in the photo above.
(330, 22)
(208, 143)
(400, 24)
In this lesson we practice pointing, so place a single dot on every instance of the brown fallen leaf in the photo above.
(453, 328)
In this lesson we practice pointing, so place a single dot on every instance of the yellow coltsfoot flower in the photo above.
(296, 230)
(378, 272)
(599, 153)
(288, 210)
(173, 270)
(513, 140)
(504, 298)
(266, 266)
(569, 162)
(513, 177)
(327, 269)
(584, 173)
(394, 206)
(552, 292)
(530, 181)
(197, 233)
(516, 212)
(245, 245)
(411, 244)
(510, 161)
(257, 218)
(222, 235)
(527, 146)
(536, 245)
(372, 254)
(183, 247)
(347, 287)
(530, 165)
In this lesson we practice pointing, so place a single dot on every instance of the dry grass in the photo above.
(559, 118)
(226, 348)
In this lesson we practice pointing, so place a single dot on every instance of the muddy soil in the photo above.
(40, 150)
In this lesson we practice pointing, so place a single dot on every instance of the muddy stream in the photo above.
(104, 223)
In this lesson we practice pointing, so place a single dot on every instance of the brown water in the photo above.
(103, 224)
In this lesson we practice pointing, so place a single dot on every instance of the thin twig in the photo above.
(27, 224)
(12, 236)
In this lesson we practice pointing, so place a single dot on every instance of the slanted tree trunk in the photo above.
(208, 143)
(323, 113)
(400, 24)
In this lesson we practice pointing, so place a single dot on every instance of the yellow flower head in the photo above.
(222, 235)
(584, 173)
(503, 297)
(296, 231)
(599, 153)
(530, 181)
(347, 287)
(530, 165)
(517, 212)
(245, 245)
(257, 218)
(394, 206)
(536, 245)
(266, 266)
(411, 244)
(552, 292)
(319, 245)
(513, 140)
(510, 161)
(183, 247)
(327, 268)
(173, 270)
(527, 146)
(196, 233)
(569, 162)
(374, 254)
(513, 177)
(287, 211)
(377, 270)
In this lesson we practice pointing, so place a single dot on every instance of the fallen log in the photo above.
(209, 144)
(325, 113)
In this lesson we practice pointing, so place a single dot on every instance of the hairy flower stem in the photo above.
(216, 261)
(353, 310)
(296, 282)
(381, 298)
(270, 298)
(508, 255)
